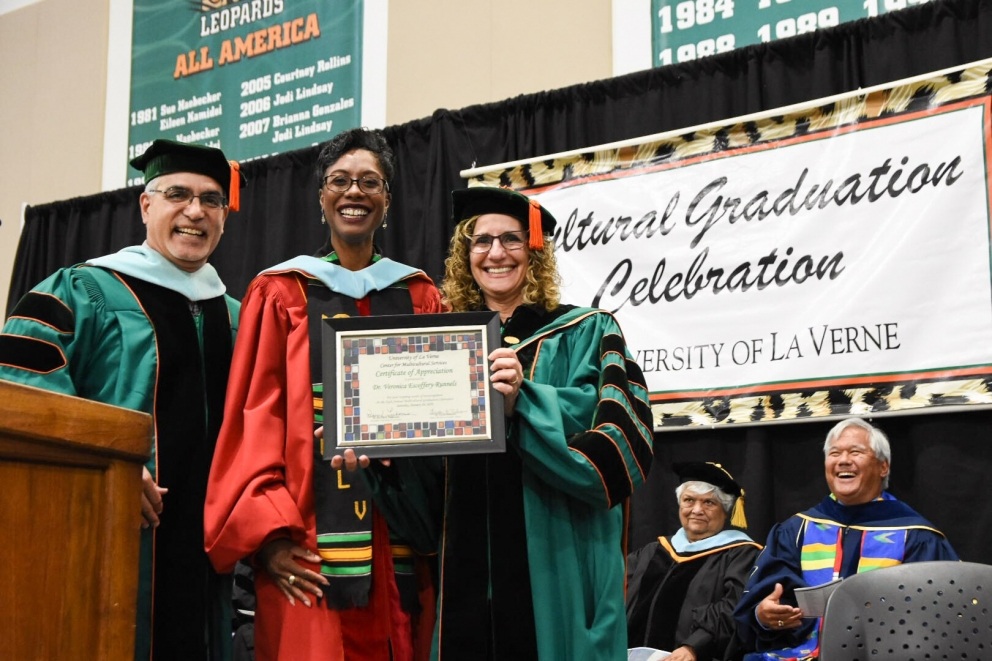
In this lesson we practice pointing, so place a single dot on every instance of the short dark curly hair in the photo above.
(358, 138)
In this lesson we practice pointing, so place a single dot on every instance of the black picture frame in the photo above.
(411, 385)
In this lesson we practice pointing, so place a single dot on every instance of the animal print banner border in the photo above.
(817, 261)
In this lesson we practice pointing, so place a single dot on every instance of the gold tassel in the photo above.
(234, 200)
(737, 518)
(536, 233)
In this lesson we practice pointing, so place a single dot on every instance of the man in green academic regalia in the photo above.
(151, 328)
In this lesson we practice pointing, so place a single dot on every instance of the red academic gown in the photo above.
(261, 486)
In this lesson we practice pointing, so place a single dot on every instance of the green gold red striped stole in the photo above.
(404, 573)
(343, 503)
(346, 553)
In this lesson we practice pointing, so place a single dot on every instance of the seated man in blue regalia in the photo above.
(857, 528)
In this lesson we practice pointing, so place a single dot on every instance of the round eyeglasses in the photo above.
(339, 183)
(482, 243)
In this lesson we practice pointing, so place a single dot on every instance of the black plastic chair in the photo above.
(917, 611)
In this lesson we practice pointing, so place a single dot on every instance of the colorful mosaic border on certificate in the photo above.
(353, 347)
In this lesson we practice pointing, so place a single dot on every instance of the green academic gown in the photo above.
(530, 541)
(124, 330)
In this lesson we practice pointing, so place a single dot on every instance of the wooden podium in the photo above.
(70, 515)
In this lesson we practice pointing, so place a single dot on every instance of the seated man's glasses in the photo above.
(182, 195)
(509, 240)
(338, 183)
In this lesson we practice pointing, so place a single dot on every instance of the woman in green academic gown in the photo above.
(531, 546)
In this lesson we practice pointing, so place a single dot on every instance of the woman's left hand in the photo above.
(294, 580)
(507, 374)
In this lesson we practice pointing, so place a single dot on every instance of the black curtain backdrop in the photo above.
(940, 461)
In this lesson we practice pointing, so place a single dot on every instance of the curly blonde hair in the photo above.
(460, 291)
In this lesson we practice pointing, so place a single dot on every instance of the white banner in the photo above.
(831, 260)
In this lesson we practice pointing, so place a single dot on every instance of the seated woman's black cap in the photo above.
(479, 200)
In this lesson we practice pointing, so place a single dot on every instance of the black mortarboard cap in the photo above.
(718, 476)
(479, 200)
(168, 156)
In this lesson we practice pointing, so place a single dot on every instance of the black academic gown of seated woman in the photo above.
(683, 593)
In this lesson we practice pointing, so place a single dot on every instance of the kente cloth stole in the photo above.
(822, 559)
(343, 505)
(804, 652)
(821, 552)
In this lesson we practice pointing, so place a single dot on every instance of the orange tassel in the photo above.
(536, 233)
(234, 200)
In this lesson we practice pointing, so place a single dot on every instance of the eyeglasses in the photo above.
(338, 183)
(181, 195)
(482, 243)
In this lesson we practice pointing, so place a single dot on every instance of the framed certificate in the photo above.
(412, 384)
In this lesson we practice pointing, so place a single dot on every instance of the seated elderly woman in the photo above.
(682, 589)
